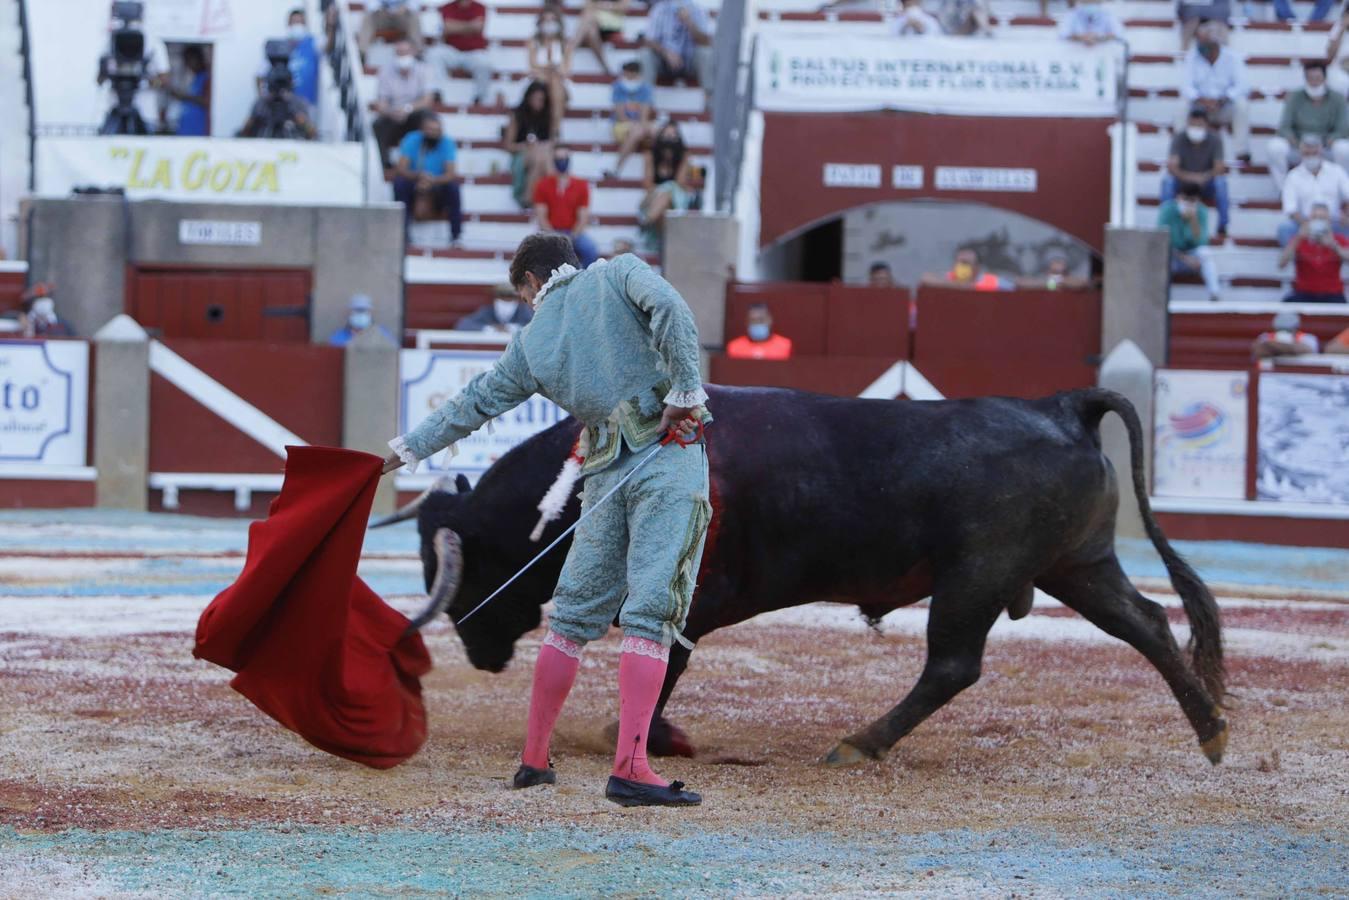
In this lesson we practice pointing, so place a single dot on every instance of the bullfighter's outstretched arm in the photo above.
(500, 389)
(673, 331)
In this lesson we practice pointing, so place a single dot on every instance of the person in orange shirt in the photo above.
(759, 341)
(1339, 343)
(967, 273)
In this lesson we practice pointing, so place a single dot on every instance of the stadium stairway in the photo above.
(14, 160)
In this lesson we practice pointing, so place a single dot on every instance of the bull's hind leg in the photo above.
(957, 626)
(1103, 594)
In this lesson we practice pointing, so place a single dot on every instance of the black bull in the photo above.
(870, 502)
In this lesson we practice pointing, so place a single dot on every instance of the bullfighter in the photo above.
(616, 346)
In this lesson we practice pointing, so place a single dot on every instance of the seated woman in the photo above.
(529, 138)
(679, 195)
(666, 157)
(601, 22)
(550, 60)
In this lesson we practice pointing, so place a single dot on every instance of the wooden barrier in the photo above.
(1222, 339)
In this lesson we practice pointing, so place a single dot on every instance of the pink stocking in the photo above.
(641, 673)
(559, 658)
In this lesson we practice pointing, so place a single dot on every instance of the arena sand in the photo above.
(128, 769)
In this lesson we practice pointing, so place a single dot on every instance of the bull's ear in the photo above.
(461, 484)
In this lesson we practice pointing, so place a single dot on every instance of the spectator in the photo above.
(39, 319)
(401, 100)
(304, 61)
(529, 138)
(279, 113)
(1056, 277)
(1338, 344)
(965, 17)
(1311, 109)
(633, 100)
(667, 158)
(601, 22)
(1338, 55)
(463, 30)
(1317, 253)
(550, 61)
(1214, 78)
(1186, 221)
(505, 313)
(148, 101)
(675, 195)
(1214, 13)
(966, 272)
(1287, 338)
(914, 21)
(426, 169)
(1284, 10)
(359, 320)
(759, 341)
(1313, 181)
(562, 204)
(623, 245)
(677, 43)
(1090, 24)
(1196, 157)
(880, 276)
(392, 20)
(194, 101)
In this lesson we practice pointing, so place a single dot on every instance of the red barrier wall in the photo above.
(1018, 344)
(11, 287)
(298, 385)
(845, 376)
(1071, 158)
(441, 306)
(1223, 340)
(827, 319)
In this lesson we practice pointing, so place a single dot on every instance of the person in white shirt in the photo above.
(913, 20)
(1090, 23)
(1314, 181)
(1214, 77)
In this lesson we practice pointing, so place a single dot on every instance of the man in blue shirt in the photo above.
(677, 43)
(359, 320)
(304, 60)
(426, 168)
(633, 100)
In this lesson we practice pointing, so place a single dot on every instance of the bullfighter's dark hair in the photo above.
(540, 254)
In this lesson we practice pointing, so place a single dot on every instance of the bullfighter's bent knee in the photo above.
(637, 556)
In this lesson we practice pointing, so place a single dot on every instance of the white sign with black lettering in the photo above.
(977, 178)
(851, 175)
(220, 234)
(44, 398)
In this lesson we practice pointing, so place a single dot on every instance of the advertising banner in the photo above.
(1303, 438)
(208, 170)
(941, 75)
(1200, 434)
(427, 378)
(44, 402)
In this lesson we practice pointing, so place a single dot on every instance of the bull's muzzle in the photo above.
(449, 573)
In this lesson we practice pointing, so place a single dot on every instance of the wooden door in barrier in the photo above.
(221, 304)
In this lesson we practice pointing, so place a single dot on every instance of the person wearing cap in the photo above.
(1318, 254)
(505, 313)
(1315, 180)
(1196, 157)
(1287, 338)
(359, 321)
(39, 319)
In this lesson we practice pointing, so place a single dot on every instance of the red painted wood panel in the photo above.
(865, 321)
(298, 385)
(1017, 344)
(23, 494)
(11, 287)
(441, 306)
(845, 376)
(1223, 340)
(1260, 529)
(221, 304)
(799, 311)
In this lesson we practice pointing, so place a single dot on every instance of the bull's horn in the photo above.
(449, 573)
(409, 509)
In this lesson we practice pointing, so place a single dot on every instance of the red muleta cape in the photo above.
(314, 647)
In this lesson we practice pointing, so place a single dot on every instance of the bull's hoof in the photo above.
(663, 739)
(846, 754)
(1213, 747)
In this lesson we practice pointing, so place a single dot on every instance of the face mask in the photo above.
(297, 32)
(1196, 134)
(505, 309)
(963, 271)
(562, 165)
(1208, 46)
(632, 82)
(1318, 227)
(551, 29)
(359, 320)
(758, 331)
(44, 309)
(1316, 92)
(1313, 164)
(405, 63)
(1185, 206)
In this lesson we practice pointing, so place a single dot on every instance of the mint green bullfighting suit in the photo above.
(612, 345)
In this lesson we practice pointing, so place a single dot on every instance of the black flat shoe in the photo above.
(635, 793)
(528, 776)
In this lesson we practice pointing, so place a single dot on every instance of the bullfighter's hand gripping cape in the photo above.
(314, 647)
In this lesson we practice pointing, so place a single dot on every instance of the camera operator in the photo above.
(302, 58)
(279, 113)
(135, 70)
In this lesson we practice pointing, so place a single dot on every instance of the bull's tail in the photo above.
(1206, 644)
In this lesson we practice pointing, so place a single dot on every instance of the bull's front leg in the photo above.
(666, 739)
